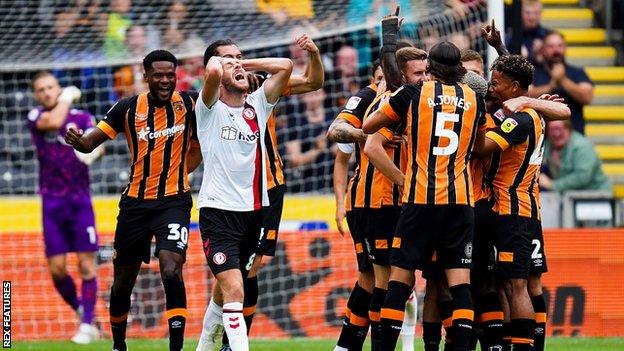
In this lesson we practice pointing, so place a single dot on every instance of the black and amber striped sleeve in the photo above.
(190, 98)
(396, 107)
(115, 119)
(355, 109)
(513, 130)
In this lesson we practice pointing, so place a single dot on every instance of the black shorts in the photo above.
(271, 218)
(516, 243)
(230, 238)
(424, 229)
(166, 219)
(538, 252)
(361, 251)
(377, 227)
(483, 251)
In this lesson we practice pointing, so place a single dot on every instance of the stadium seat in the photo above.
(610, 152)
(591, 55)
(604, 113)
(605, 94)
(605, 74)
(583, 35)
(567, 17)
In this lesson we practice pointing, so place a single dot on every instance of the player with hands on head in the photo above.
(312, 79)
(231, 128)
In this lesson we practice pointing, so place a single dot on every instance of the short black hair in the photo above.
(211, 50)
(516, 68)
(159, 55)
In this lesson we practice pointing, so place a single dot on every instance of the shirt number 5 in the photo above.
(441, 132)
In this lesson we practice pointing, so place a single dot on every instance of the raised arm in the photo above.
(376, 153)
(341, 131)
(390, 26)
(212, 81)
(492, 36)
(314, 75)
(550, 110)
(280, 70)
(55, 118)
(376, 121)
(85, 143)
(341, 170)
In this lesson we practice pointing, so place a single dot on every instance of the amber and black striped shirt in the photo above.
(441, 122)
(515, 170)
(479, 167)
(158, 136)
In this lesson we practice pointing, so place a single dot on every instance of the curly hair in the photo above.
(516, 68)
(159, 55)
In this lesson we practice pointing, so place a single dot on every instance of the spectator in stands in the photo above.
(472, 61)
(175, 31)
(307, 156)
(128, 81)
(345, 80)
(191, 74)
(533, 33)
(570, 161)
(136, 41)
(555, 76)
(117, 25)
(460, 40)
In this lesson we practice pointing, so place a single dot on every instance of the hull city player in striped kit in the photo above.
(232, 127)
(158, 126)
(311, 80)
(440, 119)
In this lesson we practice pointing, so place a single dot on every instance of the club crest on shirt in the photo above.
(178, 106)
(249, 113)
(508, 125)
(353, 102)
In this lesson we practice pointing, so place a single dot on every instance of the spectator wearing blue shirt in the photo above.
(533, 33)
(555, 76)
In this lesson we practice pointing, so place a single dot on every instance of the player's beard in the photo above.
(234, 88)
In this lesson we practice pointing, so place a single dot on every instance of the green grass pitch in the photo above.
(552, 344)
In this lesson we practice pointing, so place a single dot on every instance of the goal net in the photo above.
(98, 46)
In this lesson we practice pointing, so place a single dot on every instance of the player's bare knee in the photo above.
(255, 266)
(366, 280)
(515, 287)
(402, 275)
(171, 271)
(87, 266)
(535, 285)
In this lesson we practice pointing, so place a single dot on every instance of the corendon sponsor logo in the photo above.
(146, 133)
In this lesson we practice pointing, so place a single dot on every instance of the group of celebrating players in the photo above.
(446, 183)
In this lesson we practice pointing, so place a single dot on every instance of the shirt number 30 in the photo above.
(441, 132)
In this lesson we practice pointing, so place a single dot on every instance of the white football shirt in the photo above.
(234, 176)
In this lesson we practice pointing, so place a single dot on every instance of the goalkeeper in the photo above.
(68, 220)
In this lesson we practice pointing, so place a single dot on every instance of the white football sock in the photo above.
(212, 317)
(235, 327)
